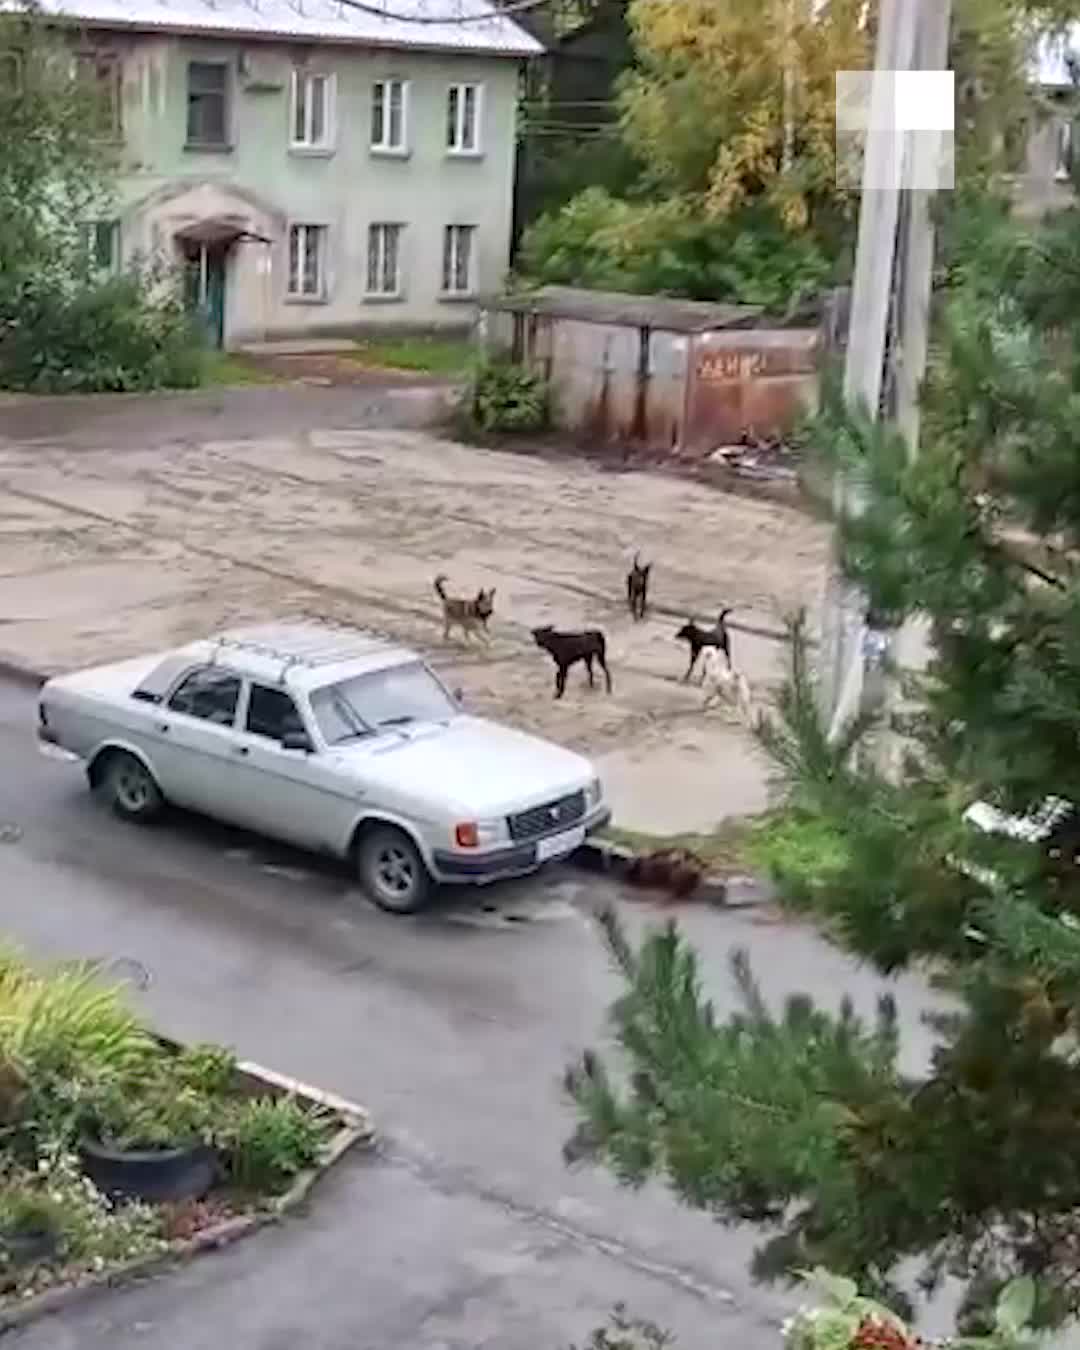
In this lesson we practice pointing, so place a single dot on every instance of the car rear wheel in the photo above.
(130, 789)
(391, 870)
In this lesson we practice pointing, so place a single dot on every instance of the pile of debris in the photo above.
(759, 458)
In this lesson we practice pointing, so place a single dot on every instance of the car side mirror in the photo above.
(459, 695)
(297, 740)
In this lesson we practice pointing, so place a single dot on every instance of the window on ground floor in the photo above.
(384, 259)
(458, 264)
(103, 245)
(307, 262)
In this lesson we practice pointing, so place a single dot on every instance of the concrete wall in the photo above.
(263, 185)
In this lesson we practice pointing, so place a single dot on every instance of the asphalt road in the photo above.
(465, 1229)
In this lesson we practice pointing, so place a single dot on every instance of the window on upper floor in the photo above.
(384, 260)
(99, 75)
(307, 262)
(463, 103)
(390, 116)
(208, 104)
(312, 118)
(458, 264)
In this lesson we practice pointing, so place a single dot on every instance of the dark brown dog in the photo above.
(566, 649)
(471, 616)
(637, 588)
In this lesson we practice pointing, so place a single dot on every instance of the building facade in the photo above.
(1045, 177)
(315, 168)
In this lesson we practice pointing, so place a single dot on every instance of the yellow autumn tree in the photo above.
(734, 100)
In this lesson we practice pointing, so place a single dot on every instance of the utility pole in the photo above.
(893, 270)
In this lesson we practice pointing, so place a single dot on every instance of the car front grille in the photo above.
(560, 814)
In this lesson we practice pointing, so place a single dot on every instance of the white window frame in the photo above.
(452, 232)
(1064, 149)
(377, 232)
(319, 294)
(456, 145)
(385, 146)
(306, 143)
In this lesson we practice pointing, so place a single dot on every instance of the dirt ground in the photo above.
(108, 552)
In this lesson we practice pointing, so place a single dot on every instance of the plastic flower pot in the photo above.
(158, 1175)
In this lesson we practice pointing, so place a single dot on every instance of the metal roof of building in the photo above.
(632, 311)
(431, 25)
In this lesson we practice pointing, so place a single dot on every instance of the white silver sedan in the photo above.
(331, 739)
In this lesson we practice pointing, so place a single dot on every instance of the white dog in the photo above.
(722, 681)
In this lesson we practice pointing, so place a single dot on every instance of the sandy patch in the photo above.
(107, 553)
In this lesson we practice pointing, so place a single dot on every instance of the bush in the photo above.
(670, 248)
(507, 397)
(269, 1141)
(123, 334)
(802, 853)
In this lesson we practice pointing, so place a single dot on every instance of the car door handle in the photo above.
(240, 750)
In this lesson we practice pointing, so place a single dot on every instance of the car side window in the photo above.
(272, 713)
(210, 694)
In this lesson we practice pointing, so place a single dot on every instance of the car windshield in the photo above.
(367, 704)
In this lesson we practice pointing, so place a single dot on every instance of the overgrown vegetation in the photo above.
(803, 1120)
(722, 182)
(66, 324)
(671, 248)
(77, 1066)
(506, 398)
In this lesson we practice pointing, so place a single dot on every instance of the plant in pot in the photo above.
(152, 1144)
(31, 1226)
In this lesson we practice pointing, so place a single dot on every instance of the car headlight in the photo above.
(478, 833)
(593, 794)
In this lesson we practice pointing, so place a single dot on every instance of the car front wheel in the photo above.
(391, 870)
(130, 789)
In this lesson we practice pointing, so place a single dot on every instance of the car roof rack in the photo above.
(308, 646)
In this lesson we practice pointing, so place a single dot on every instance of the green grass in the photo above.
(226, 368)
(728, 848)
(426, 355)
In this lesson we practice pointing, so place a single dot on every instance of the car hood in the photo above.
(474, 768)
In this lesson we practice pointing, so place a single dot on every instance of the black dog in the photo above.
(700, 638)
(566, 649)
(637, 587)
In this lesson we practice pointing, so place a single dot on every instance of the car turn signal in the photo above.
(466, 835)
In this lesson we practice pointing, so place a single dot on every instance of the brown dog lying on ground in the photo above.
(471, 616)
(566, 649)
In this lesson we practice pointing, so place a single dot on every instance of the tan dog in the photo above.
(471, 616)
(723, 682)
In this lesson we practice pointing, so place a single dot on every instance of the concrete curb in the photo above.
(20, 674)
(722, 892)
(356, 1130)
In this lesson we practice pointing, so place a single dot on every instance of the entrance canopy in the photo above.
(216, 232)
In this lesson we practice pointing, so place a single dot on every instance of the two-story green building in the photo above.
(320, 165)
